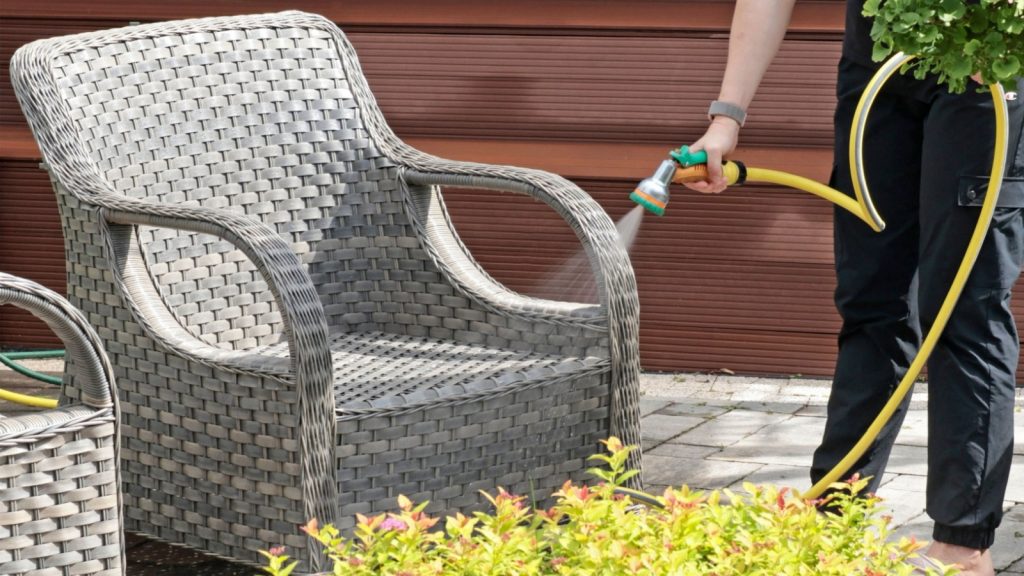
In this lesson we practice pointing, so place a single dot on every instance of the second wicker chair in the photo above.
(60, 500)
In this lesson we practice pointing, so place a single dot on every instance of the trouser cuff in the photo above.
(977, 538)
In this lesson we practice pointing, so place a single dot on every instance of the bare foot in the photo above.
(971, 561)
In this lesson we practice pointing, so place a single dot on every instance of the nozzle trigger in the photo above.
(685, 158)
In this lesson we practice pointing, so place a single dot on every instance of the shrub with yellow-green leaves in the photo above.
(598, 530)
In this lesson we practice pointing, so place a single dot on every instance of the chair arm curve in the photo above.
(83, 346)
(591, 224)
(615, 277)
(302, 313)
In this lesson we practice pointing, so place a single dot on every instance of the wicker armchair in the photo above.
(297, 330)
(60, 503)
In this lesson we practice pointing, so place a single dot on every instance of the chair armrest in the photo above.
(616, 281)
(84, 350)
(302, 313)
(597, 233)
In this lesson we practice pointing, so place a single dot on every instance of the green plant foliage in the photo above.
(597, 530)
(953, 39)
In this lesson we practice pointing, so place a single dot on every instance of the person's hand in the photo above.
(718, 141)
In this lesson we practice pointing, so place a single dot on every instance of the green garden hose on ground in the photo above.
(684, 166)
(10, 359)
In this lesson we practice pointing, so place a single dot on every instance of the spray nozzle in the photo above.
(683, 166)
(652, 193)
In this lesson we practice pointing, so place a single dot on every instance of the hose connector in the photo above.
(735, 172)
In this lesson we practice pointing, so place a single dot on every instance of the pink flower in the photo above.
(392, 523)
(780, 500)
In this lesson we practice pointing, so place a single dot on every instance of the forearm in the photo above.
(758, 27)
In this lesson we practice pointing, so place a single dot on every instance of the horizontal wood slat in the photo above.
(620, 89)
(603, 88)
(589, 15)
(31, 246)
(587, 160)
(741, 351)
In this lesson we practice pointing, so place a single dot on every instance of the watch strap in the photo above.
(719, 108)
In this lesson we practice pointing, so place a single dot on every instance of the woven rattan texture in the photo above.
(60, 502)
(297, 330)
(529, 443)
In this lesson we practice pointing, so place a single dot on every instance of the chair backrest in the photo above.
(263, 115)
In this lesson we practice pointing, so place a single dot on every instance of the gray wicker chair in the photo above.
(60, 499)
(297, 330)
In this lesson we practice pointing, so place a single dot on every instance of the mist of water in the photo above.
(573, 280)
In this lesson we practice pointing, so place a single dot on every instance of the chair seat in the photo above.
(378, 370)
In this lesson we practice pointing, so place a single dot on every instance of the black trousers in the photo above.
(925, 149)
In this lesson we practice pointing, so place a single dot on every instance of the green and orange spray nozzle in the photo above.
(682, 166)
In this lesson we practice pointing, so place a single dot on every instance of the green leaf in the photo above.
(959, 66)
(910, 17)
(1006, 68)
(880, 52)
(930, 35)
(951, 5)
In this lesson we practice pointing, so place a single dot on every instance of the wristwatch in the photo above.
(719, 108)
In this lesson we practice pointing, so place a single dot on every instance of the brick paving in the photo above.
(712, 431)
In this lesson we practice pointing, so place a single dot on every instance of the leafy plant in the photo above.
(597, 530)
(952, 38)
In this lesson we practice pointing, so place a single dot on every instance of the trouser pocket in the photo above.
(971, 191)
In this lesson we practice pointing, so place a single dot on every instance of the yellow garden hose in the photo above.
(10, 359)
(26, 400)
(963, 272)
(731, 171)
(863, 208)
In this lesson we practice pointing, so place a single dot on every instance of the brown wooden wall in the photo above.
(596, 90)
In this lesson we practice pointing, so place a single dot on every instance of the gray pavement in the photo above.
(713, 431)
(717, 430)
